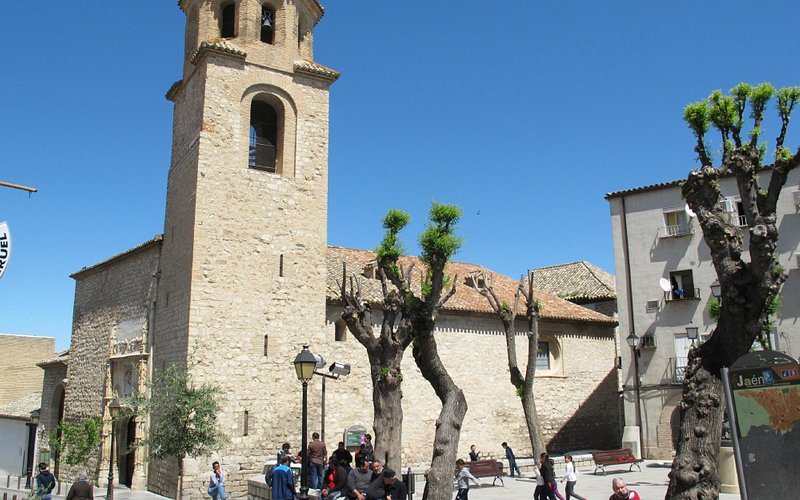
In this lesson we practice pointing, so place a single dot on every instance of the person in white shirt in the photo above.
(571, 477)
(463, 477)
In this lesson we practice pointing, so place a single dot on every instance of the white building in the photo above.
(664, 276)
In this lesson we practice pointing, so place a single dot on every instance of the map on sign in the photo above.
(776, 409)
(766, 399)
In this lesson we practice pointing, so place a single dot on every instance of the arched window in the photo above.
(267, 24)
(228, 25)
(263, 136)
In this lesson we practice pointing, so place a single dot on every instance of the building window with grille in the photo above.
(263, 136)
(676, 223)
(543, 356)
(682, 284)
(228, 21)
(267, 24)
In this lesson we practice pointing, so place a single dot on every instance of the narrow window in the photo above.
(741, 216)
(263, 136)
(341, 331)
(543, 356)
(267, 25)
(246, 426)
(228, 27)
(266, 345)
(280, 267)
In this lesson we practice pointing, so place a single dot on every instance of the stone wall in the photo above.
(53, 391)
(105, 296)
(20, 355)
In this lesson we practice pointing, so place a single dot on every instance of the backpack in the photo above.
(268, 475)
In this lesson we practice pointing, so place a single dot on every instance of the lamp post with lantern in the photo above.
(113, 411)
(304, 364)
(32, 425)
(633, 343)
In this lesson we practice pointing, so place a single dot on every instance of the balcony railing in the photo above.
(672, 231)
(678, 295)
(678, 369)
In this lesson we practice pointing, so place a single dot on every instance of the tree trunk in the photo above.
(179, 491)
(439, 478)
(528, 400)
(387, 402)
(695, 469)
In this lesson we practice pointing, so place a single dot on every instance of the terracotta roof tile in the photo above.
(576, 281)
(465, 299)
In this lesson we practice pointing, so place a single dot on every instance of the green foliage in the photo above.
(787, 98)
(519, 389)
(768, 324)
(696, 116)
(713, 308)
(391, 248)
(439, 241)
(183, 415)
(723, 113)
(759, 97)
(75, 443)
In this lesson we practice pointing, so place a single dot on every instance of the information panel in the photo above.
(766, 401)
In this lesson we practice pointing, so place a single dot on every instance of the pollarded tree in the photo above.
(410, 314)
(749, 283)
(522, 384)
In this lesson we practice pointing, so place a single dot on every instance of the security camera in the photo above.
(340, 369)
(320, 361)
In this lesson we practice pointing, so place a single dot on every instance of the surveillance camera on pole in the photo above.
(339, 369)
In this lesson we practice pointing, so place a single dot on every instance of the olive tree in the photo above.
(750, 278)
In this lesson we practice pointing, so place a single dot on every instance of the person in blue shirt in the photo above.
(283, 482)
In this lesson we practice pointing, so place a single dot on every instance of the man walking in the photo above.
(45, 481)
(512, 460)
(317, 454)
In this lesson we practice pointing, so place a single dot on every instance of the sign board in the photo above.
(353, 435)
(5, 247)
(765, 386)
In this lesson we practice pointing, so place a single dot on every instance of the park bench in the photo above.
(487, 468)
(614, 457)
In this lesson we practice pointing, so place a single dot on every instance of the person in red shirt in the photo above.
(621, 492)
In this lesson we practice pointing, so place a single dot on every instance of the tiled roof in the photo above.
(60, 358)
(465, 299)
(315, 70)
(576, 281)
(20, 409)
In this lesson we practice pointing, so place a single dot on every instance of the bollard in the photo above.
(409, 480)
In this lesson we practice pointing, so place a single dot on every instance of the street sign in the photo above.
(5, 247)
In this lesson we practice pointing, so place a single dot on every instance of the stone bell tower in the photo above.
(242, 282)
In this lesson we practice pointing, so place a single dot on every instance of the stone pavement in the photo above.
(651, 483)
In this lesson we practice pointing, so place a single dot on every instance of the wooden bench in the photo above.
(614, 457)
(487, 468)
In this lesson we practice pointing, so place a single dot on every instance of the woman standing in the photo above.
(571, 476)
(216, 485)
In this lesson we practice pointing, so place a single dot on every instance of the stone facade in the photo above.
(242, 279)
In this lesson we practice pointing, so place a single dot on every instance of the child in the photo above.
(463, 478)
(571, 476)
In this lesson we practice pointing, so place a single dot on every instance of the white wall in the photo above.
(13, 447)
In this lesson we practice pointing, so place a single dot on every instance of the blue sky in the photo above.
(526, 112)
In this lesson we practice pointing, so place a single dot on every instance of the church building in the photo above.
(242, 277)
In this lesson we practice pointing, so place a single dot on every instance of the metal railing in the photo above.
(678, 295)
(678, 369)
(679, 230)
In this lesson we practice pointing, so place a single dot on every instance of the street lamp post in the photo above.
(692, 332)
(633, 342)
(31, 447)
(304, 364)
(113, 411)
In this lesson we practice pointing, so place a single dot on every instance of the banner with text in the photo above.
(5, 247)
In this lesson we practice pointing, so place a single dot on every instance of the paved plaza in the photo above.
(651, 483)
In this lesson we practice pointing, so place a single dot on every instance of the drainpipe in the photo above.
(631, 326)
